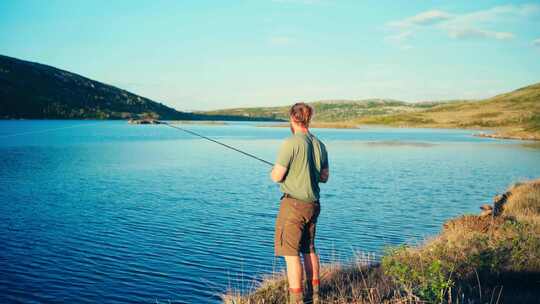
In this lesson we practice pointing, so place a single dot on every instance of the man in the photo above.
(302, 164)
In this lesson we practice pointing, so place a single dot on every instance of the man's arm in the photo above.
(278, 173)
(283, 161)
(325, 174)
(325, 171)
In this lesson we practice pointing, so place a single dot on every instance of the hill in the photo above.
(331, 111)
(511, 115)
(37, 91)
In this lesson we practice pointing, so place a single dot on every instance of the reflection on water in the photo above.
(147, 213)
(531, 145)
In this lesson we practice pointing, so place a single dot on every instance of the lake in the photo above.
(118, 213)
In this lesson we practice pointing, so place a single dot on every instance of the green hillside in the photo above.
(515, 115)
(37, 91)
(33, 90)
(333, 110)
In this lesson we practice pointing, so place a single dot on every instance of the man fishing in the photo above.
(302, 163)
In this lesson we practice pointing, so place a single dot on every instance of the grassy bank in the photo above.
(511, 115)
(489, 258)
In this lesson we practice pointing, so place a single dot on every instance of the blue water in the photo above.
(117, 213)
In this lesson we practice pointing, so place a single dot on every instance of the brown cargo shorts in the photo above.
(295, 227)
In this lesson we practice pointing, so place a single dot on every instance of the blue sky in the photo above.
(197, 55)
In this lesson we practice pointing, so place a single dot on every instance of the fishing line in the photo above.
(48, 130)
(161, 122)
(217, 142)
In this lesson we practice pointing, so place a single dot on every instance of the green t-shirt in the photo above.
(304, 156)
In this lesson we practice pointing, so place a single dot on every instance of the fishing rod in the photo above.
(217, 142)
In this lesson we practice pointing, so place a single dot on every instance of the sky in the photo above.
(202, 55)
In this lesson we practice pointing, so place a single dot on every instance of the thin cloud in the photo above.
(472, 33)
(480, 24)
(536, 42)
(472, 25)
(499, 13)
(425, 18)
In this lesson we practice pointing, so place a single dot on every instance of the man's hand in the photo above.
(325, 174)
(278, 173)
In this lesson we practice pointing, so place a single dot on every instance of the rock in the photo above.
(486, 213)
(499, 202)
(498, 205)
(486, 207)
(143, 122)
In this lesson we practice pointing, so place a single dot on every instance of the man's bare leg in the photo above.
(311, 263)
(294, 276)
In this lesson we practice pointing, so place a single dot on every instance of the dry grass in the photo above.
(489, 259)
(352, 283)
(524, 203)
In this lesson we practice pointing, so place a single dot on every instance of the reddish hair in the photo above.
(301, 113)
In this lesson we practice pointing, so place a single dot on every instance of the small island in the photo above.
(144, 121)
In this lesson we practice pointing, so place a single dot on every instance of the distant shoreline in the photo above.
(477, 132)
(321, 125)
(500, 133)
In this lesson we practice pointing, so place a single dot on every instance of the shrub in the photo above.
(428, 278)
